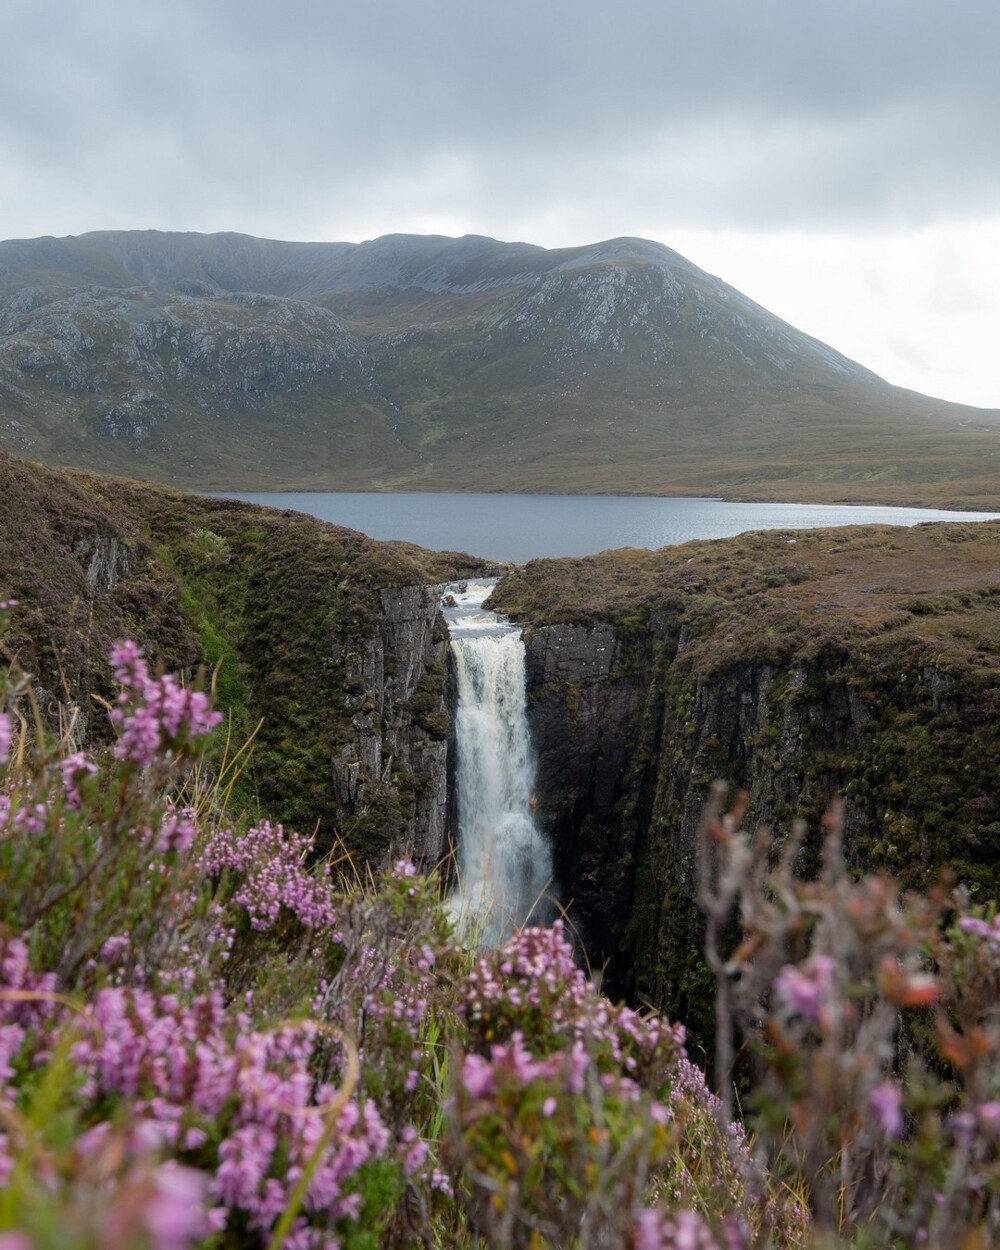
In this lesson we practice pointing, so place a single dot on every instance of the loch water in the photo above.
(525, 527)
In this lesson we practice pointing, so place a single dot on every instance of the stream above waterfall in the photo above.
(504, 866)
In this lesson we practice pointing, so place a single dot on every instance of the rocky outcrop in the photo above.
(324, 645)
(871, 675)
(397, 696)
(105, 557)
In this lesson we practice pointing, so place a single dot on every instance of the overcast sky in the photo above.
(836, 160)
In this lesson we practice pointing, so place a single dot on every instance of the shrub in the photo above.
(870, 1018)
(208, 1038)
(124, 949)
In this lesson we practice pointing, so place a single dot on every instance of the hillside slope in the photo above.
(329, 638)
(409, 362)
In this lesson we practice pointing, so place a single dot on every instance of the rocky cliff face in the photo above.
(396, 687)
(584, 711)
(334, 642)
(630, 739)
(868, 668)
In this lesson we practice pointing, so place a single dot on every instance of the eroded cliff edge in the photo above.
(331, 640)
(798, 665)
(863, 662)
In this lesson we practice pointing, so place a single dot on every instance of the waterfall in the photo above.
(504, 866)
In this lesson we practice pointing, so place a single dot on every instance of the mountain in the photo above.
(430, 363)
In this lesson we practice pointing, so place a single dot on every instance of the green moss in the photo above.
(428, 705)
(272, 604)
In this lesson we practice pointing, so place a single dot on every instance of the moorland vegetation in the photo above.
(210, 1037)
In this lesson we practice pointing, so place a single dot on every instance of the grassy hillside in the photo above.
(412, 363)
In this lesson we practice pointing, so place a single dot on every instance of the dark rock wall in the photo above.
(585, 710)
(333, 641)
(396, 683)
(630, 735)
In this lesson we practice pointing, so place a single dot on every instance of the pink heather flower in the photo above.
(477, 1076)
(524, 1067)
(140, 737)
(174, 1217)
(271, 864)
(73, 768)
(988, 930)
(801, 990)
(16, 1241)
(6, 737)
(129, 666)
(245, 1159)
(989, 1117)
(682, 1230)
(440, 1182)
(153, 715)
(647, 1231)
(549, 1107)
(116, 948)
(578, 1062)
(415, 1157)
(90, 1143)
(885, 1104)
(147, 1137)
(177, 830)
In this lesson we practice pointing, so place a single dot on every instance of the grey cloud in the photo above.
(770, 111)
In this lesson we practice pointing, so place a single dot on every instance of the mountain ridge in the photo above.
(430, 363)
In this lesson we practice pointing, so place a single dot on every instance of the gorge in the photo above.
(860, 661)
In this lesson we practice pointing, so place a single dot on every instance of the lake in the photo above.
(524, 527)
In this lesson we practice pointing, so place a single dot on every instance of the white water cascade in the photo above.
(504, 865)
